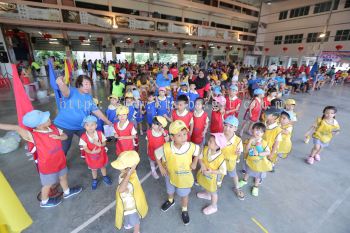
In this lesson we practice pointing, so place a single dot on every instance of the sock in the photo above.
(171, 200)
(184, 208)
(44, 201)
(66, 191)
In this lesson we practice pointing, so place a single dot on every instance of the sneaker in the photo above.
(167, 205)
(317, 157)
(204, 195)
(107, 180)
(210, 210)
(127, 227)
(310, 160)
(242, 183)
(155, 175)
(255, 191)
(52, 202)
(94, 184)
(185, 217)
(196, 183)
(72, 192)
(239, 193)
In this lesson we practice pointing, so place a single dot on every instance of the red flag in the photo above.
(23, 104)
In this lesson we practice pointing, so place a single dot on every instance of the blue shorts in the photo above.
(232, 173)
(53, 178)
(171, 189)
(131, 220)
(317, 141)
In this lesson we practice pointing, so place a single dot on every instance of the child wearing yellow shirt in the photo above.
(285, 145)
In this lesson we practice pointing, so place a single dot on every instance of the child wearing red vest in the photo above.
(217, 114)
(93, 142)
(51, 158)
(125, 132)
(200, 122)
(183, 114)
(233, 103)
(156, 137)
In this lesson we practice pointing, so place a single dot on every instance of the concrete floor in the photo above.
(296, 198)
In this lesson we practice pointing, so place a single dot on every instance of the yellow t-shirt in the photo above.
(324, 130)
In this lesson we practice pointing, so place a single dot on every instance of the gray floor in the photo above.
(296, 198)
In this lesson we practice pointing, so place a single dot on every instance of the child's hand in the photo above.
(207, 172)
(203, 168)
(97, 142)
(96, 151)
(163, 171)
(54, 136)
(193, 166)
(116, 135)
(59, 81)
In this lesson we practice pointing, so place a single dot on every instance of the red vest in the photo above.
(198, 127)
(95, 161)
(51, 157)
(154, 143)
(216, 124)
(232, 104)
(186, 119)
(256, 111)
(125, 144)
(266, 102)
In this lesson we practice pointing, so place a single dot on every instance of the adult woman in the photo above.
(202, 84)
(118, 87)
(77, 103)
(164, 79)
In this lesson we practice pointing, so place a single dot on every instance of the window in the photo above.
(325, 6)
(297, 12)
(347, 4)
(342, 35)
(171, 17)
(91, 6)
(315, 37)
(194, 21)
(293, 39)
(239, 29)
(218, 25)
(283, 15)
(278, 40)
(125, 11)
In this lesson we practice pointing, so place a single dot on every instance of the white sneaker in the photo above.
(155, 175)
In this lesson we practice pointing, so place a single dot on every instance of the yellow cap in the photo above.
(289, 101)
(176, 126)
(129, 95)
(162, 121)
(126, 159)
(113, 96)
(122, 110)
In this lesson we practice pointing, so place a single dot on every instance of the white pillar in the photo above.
(262, 60)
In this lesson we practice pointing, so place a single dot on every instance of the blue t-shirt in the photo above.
(162, 82)
(151, 111)
(73, 110)
(193, 96)
(163, 107)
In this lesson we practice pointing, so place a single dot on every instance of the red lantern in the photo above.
(141, 42)
(21, 34)
(176, 44)
(81, 38)
(227, 48)
(238, 48)
(194, 45)
(218, 47)
(300, 48)
(284, 49)
(165, 44)
(10, 33)
(339, 47)
(203, 46)
(47, 36)
(266, 49)
(99, 39)
(128, 41)
(244, 49)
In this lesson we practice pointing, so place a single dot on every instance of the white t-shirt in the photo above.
(82, 143)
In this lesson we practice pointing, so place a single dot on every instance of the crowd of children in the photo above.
(178, 151)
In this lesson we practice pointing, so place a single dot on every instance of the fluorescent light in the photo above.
(161, 41)
(188, 43)
(53, 39)
(212, 47)
(40, 33)
(121, 41)
(129, 38)
(54, 42)
(322, 35)
(269, 3)
(210, 44)
(200, 47)
(238, 39)
(85, 44)
(115, 26)
(231, 46)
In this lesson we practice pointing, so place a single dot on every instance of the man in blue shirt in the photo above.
(164, 79)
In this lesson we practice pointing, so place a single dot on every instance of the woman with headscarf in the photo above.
(202, 84)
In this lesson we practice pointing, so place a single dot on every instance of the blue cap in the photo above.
(183, 84)
(234, 88)
(232, 120)
(88, 119)
(136, 94)
(259, 91)
(35, 118)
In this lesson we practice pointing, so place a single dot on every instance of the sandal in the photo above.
(210, 210)
(239, 193)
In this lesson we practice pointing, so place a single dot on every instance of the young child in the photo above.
(46, 139)
(163, 108)
(289, 108)
(140, 110)
(183, 90)
(131, 203)
(233, 103)
(212, 162)
(129, 102)
(200, 123)
(170, 99)
(285, 145)
(273, 135)
(93, 142)
(271, 94)
(217, 114)
(112, 107)
(193, 95)
(253, 112)
(256, 164)
(232, 152)
(150, 108)
(176, 164)
(181, 113)
(156, 137)
(323, 131)
(125, 132)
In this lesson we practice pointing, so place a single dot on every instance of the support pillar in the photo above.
(151, 57)
(180, 56)
(133, 55)
(262, 60)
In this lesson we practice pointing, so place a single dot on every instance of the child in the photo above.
(156, 137)
(232, 152)
(112, 107)
(170, 99)
(256, 163)
(183, 114)
(151, 109)
(217, 115)
(131, 203)
(212, 162)
(233, 103)
(271, 94)
(273, 135)
(323, 131)
(289, 108)
(129, 102)
(125, 132)
(200, 123)
(193, 95)
(46, 139)
(163, 107)
(93, 142)
(287, 128)
(183, 90)
(253, 112)
(176, 164)
(140, 110)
